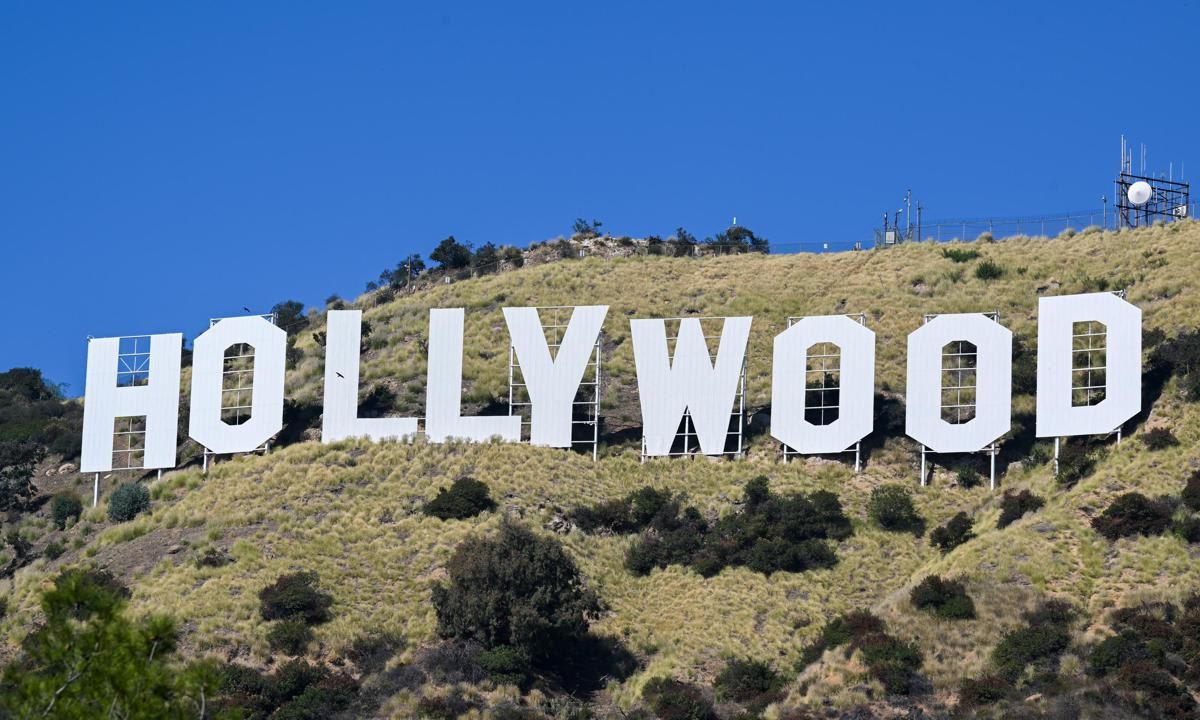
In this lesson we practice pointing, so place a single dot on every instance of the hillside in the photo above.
(351, 511)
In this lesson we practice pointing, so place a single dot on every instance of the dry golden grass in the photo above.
(350, 511)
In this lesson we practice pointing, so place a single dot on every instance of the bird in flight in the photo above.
(247, 309)
(335, 372)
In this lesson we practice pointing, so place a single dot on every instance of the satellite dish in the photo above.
(1140, 192)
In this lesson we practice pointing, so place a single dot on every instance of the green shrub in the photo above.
(955, 532)
(1187, 529)
(966, 475)
(988, 270)
(65, 509)
(295, 596)
(465, 498)
(891, 506)
(1191, 492)
(506, 665)
(751, 683)
(773, 533)
(127, 502)
(984, 690)
(674, 700)
(633, 513)
(893, 662)
(1133, 514)
(947, 599)
(516, 589)
(290, 636)
(1075, 462)
(960, 255)
(1040, 643)
(1159, 439)
(1111, 653)
(54, 550)
(1013, 507)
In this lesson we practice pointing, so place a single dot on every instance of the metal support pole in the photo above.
(857, 457)
(993, 469)
(1056, 457)
(923, 451)
(205, 462)
(96, 491)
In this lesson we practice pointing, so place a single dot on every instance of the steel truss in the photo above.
(957, 406)
(586, 405)
(686, 437)
(1170, 200)
(829, 362)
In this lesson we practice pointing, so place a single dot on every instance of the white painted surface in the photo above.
(205, 425)
(552, 381)
(158, 400)
(1123, 394)
(993, 394)
(341, 420)
(856, 411)
(689, 380)
(443, 390)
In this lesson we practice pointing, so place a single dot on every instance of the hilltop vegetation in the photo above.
(945, 598)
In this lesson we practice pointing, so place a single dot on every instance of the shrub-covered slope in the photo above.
(354, 512)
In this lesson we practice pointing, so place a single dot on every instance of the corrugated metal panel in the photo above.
(552, 382)
(208, 364)
(158, 400)
(856, 384)
(342, 337)
(1123, 392)
(993, 377)
(688, 381)
(443, 392)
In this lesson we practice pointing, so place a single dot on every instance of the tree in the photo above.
(681, 243)
(18, 460)
(403, 273)
(584, 230)
(451, 254)
(740, 239)
(88, 661)
(289, 315)
(486, 259)
(515, 589)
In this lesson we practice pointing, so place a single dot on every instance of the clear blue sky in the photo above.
(161, 164)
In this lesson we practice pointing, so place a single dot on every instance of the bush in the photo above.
(54, 550)
(959, 255)
(1133, 514)
(893, 662)
(516, 589)
(1111, 653)
(65, 509)
(290, 636)
(633, 513)
(1191, 492)
(773, 533)
(1045, 636)
(966, 475)
(955, 532)
(674, 700)
(506, 665)
(1187, 529)
(750, 682)
(982, 691)
(1013, 507)
(1075, 462)
(946, 599)
(1159, 439)
(988, 270)
(127, 502)
(465, 498)
(891, 506)
(295, 596)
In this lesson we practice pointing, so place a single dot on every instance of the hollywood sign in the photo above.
(687, 379)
